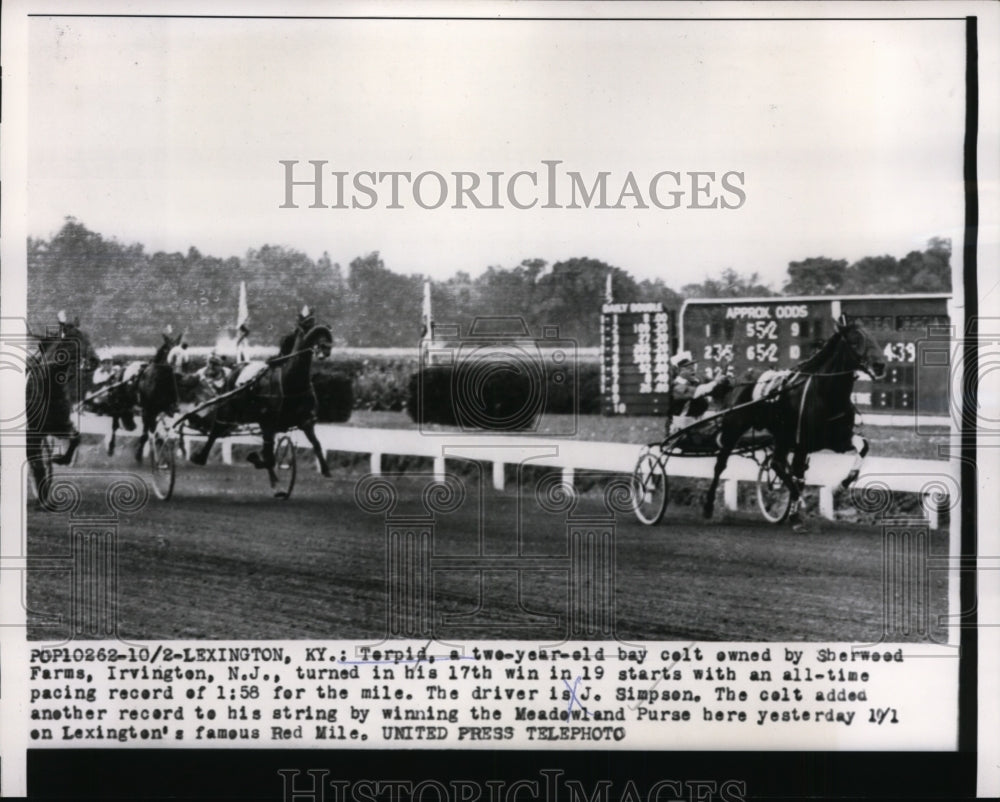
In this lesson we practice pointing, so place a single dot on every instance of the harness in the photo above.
(251, 382)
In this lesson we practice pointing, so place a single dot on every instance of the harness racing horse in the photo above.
(278, 397)
(116, 399)
(51, 390)
(809, 410)
(157, 391)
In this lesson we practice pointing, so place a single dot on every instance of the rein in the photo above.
(108, 389)
(274, 360)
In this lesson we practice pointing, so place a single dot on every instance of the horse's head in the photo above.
(864, 351)
(319, 339)
(169, 341)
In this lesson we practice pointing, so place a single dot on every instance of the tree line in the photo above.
(126, 296)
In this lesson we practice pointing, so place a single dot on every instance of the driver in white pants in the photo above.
(686, 387)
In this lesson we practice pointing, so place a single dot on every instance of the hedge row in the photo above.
(500, 397)
(495, 396)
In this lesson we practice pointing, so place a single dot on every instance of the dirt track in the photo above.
(223, 560)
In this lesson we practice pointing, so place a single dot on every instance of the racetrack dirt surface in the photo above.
(224, 560)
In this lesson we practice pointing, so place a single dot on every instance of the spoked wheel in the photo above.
(284, 467)
(649, 488)
(163, 455)
(773, 497)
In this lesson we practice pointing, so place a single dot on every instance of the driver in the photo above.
(691, 395)
(305, 322)
(211, 377)
(105, 376)
(106, 371)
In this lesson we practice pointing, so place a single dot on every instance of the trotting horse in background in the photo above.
(51, 390)
(810, 409)
(276, 396)
(157, 391)
(116, 399)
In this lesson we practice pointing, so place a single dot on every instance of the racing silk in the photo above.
(213, 377)
(287, 343)
(684, 389)
(249, 372)
(132, 369)
(104, 374)
(769, 382)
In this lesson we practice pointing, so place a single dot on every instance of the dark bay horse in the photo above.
(52, 389)
(281, 397)
(810, 411)
(156, 388)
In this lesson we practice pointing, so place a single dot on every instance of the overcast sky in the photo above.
(169, 132)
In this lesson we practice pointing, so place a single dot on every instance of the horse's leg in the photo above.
(111, 440)
(39, 470)
(860, 446)
(148, 424)
(310, 432)
(796, 483)
(264, 458)
(727, 440)
(200, 457)
(74, 441)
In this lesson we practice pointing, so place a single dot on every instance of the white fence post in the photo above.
(826, 503)
(567, 477)
(498, 475)
(375, 463)
(439, 472)
(227, 452)
(730, 494)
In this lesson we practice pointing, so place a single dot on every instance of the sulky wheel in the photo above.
(162, 455)
(284, 467)
(649, 488)
(773, 497)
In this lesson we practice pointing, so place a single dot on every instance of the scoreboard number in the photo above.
(900, 352)
(635, 358)
(766, 329)
(718, 352)
(762, 352)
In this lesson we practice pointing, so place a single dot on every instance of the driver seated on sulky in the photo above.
(107, 371)
(691, 395)
(106, 376)
(211, 378)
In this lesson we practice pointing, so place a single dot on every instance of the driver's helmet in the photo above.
(683, 359)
